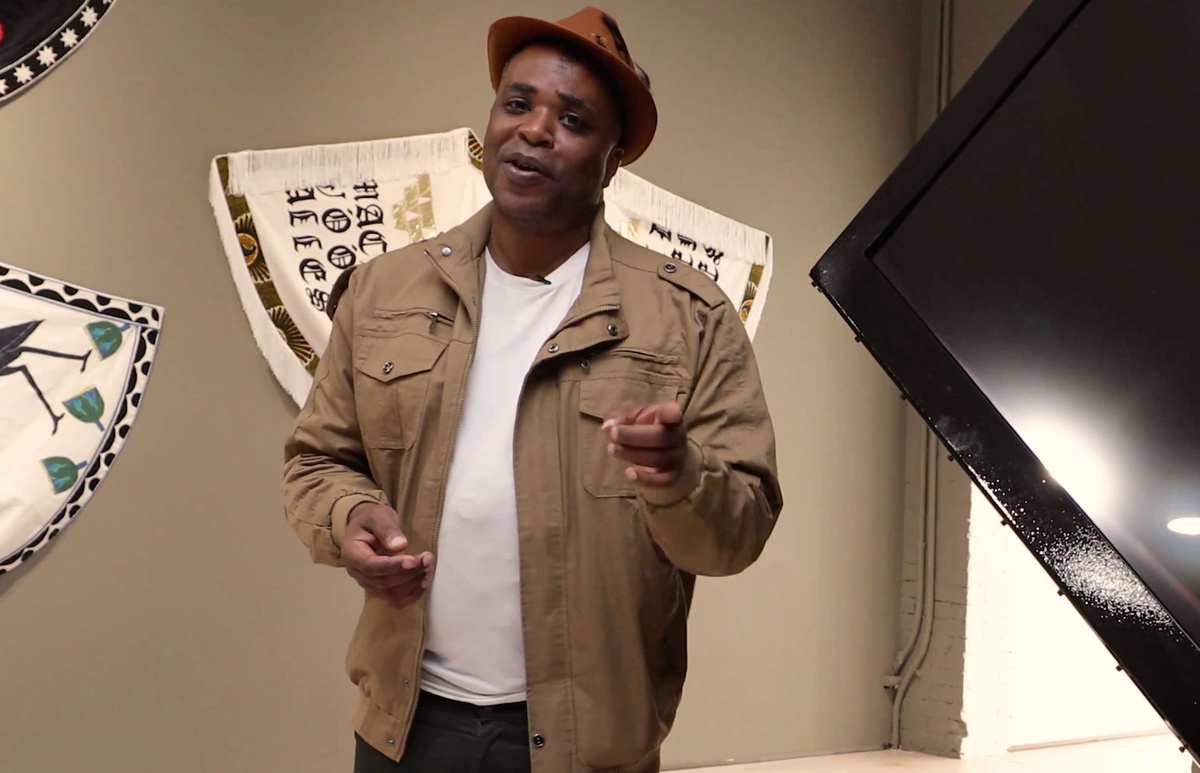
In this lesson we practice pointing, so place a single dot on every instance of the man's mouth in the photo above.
(525, 163)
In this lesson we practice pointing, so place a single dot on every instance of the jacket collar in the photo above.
(458, 254)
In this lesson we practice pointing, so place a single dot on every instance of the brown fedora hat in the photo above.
(596, 34)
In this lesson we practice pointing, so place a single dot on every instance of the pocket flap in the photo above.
(386, 359)
(598, 396)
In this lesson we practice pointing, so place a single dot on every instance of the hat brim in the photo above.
(640, 114)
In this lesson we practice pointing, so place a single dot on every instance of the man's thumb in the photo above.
(668, 413)
(391, 536)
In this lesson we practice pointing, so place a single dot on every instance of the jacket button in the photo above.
(669, 268)
(538, 741)
(446, 252)
(552, 348)
(387, 367)
(612, 330)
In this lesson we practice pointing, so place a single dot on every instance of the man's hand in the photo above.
(373, 553)
(651, 438)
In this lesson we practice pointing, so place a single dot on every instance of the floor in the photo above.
(1152, 754)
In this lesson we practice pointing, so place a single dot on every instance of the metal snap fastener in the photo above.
(538, 740)
(388, 367)
(446, 252)
(552, 348)
(391, 742)
(612, 330)
(407, 682)
(586, 364)
(669, 268)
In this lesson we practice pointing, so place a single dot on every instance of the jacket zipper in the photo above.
(453, 440)
(435, 317)
(521, 402)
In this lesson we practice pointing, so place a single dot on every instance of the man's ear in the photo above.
(613, 163)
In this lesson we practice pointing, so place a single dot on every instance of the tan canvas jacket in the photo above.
(607, 570)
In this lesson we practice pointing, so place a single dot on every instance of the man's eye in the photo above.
(572, 121)
(516, 104)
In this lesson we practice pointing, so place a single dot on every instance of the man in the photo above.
(571, 427)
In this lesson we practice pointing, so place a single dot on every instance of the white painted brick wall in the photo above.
(932, 716)
(989, 680)
(957, 706)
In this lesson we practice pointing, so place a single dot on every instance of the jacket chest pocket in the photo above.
(391, 385)
(602, 474)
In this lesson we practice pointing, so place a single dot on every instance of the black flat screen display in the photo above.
(1029, 276)
(1058, 260)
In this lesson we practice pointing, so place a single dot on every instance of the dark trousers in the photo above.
(452, 737)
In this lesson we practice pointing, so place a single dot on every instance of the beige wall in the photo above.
(177, 625)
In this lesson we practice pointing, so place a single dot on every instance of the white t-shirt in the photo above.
(475, 651)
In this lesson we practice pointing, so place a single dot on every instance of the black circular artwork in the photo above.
(37, 35)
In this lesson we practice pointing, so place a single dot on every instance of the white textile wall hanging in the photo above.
(292, 220)
(38, 35)
(73, 368)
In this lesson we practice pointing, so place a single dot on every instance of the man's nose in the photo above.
(537, 128)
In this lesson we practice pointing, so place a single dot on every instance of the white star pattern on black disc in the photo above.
(43, 57)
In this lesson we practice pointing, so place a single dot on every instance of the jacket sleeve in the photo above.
(325, 471)
(715, 520)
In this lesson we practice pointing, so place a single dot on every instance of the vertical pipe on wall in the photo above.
(912, 656)
(944, 45)
(919, 609)
(925, 624)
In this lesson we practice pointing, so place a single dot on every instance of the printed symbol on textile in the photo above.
(703, 258)
(260, 272)
(751, 291)
(248, 240)
(14, 351)
(414, 215)
(287, 329)
(475, 150)
(17, 353)
(345, 233)
(256, 265)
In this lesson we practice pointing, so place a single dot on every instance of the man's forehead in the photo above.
(539, 56)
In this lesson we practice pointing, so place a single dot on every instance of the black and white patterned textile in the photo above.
(38, 35)
(74, 365)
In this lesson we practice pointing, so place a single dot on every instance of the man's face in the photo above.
(551, 142)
